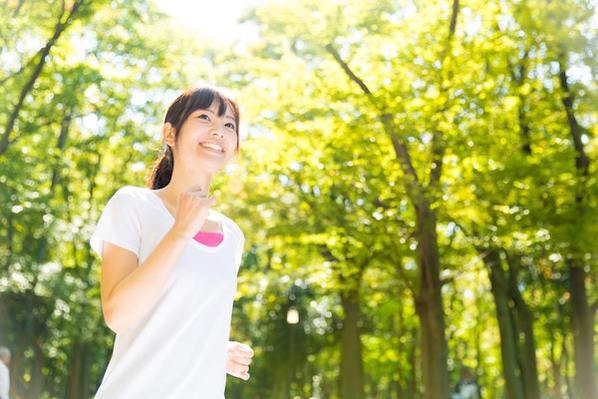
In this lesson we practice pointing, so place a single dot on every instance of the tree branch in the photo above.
(45, 51)
(437, 146)
(21, 69)
(347, 70)
(412, 181)
(582, 162)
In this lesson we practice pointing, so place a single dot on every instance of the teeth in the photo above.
(212, 146)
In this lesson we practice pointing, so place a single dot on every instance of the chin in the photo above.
(211, 167)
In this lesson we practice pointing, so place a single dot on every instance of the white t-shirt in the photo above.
(4, 380)
(178, 349)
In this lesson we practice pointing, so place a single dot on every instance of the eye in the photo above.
(230, 125)
(204, 116)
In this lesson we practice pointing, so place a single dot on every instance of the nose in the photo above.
(218, 133)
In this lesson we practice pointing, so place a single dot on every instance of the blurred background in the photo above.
(417, 187)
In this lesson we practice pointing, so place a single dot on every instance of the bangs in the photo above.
(203, 99)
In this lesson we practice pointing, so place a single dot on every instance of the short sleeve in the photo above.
(119, 223)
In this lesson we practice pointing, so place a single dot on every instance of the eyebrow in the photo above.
(226, 116)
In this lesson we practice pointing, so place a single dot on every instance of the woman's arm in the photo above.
(128, 291)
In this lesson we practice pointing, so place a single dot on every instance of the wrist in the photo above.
(177, 234)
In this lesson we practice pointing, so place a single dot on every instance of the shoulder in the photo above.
(130, 200)
(131, 194)
(130, 191)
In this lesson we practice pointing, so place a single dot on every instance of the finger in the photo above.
(241, 369)
(240, 349)
(237, 370)
(245, 348)
(242, 360)
(239, 374)
(243, 355)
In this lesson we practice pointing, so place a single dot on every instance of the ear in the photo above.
(168, 133)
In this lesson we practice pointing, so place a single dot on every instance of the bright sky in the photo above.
(211, 18)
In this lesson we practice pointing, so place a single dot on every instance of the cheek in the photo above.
(232, 142)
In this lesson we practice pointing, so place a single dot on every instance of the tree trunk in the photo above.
(524, 333)
(351, 384)
(508, 343)
(581, 313)
(429, 308)
(280, 388)
(428, 298)
(77, 384)
(583, 337)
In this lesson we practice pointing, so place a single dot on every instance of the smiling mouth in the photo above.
(212, 147)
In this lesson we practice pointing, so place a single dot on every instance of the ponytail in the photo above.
(162, 171)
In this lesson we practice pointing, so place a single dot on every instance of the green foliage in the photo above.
(325, 203)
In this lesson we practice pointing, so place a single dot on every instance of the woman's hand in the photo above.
(238, 360)
(192, 211)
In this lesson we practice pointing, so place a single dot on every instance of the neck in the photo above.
(184, 180)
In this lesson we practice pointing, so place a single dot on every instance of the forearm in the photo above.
(134, 295)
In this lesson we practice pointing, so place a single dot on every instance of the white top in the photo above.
(178, 350)
(4, 380)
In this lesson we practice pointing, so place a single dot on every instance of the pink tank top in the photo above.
(209, 238)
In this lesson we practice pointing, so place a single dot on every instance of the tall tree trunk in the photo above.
(351, 384)
(508, 339)
(429, 308)
(280, 383)
(77, 384)
(524, 333)
(428, 298)
(583, 334)
(581, 311)
(521, 315)
(38, 380)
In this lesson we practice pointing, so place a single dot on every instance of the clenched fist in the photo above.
(192, 211)
(238, 360)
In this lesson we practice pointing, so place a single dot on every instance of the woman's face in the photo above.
(206, 140)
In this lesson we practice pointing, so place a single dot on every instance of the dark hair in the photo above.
(179, 110)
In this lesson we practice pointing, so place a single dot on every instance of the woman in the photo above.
(170, 262)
